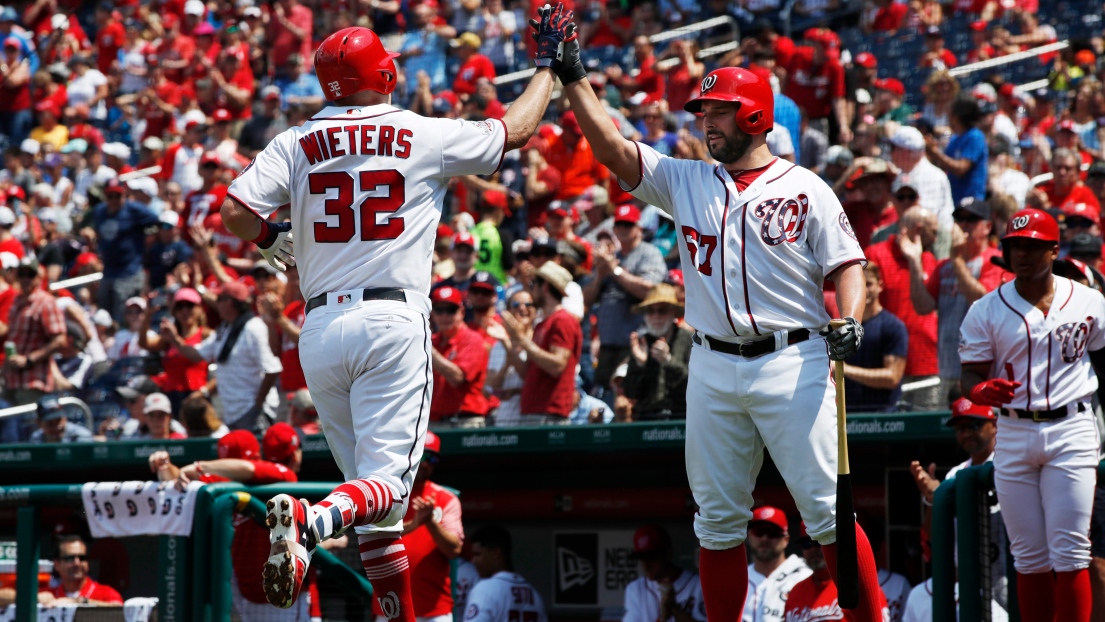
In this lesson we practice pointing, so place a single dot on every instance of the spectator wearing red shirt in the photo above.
(473, 65)
(16, 118)
(548, 388)
(483, 293)
(647, 80)
(816, 84)
(936, 55)
(233, 79)
(870, 178)
(284, 316)
(176, 50)
(606, 25)
(433, 535)
(8, 242)
(459, 365)
(1065, 191)
(75, 586)
(111, 36)
(37, 327)
(571, 154)
(684, 77)
(181, 377)
(290, 32)
(887, 18)
(980, 45)
(920, 227)
(542, 181)
(206, 200)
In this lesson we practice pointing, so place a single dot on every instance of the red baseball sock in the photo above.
(724, 576)
(384, 559)
(871, 600)
(1073, 595)
(1036, 596)
(357, 502)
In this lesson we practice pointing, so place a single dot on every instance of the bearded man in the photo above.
(659, 353)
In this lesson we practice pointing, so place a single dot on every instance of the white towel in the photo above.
(58, 613)
(120, 509)
(139, 609)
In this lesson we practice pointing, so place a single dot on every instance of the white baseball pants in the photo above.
(784, 401)
(1045, 475)
(367, 365)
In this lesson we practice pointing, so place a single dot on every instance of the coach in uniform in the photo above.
(771, 575)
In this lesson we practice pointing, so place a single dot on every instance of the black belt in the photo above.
(379, 293)
(1042, 415)
(752, 349)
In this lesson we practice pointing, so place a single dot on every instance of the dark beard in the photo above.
(733, 148)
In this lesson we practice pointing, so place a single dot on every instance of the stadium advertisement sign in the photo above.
(593, 568)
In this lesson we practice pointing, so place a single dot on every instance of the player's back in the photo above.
(366, 187)
(504, 597)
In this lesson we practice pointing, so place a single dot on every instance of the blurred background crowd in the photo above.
(122, 123)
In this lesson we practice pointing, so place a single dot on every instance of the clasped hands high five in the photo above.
(557, 43)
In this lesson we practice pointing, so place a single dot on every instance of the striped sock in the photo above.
(357, 502)
(384, 559)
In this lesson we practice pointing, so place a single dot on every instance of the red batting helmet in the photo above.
(1033, 224)
(353, 60)
(756, 114)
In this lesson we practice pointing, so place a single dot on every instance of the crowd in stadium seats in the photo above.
(122, 124)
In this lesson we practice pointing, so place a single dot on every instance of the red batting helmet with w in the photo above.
(1033, 224)
(353, 60)
(733, 84)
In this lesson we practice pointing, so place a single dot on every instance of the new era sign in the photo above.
(593, 568)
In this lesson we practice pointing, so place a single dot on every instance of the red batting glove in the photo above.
(994, 392)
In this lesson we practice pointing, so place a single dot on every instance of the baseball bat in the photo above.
(847, 563)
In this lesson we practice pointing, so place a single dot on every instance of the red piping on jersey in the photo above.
(1048, 387)
(245, 205)
(641, 171)
(844, 265)
(506, 137)
(371, 116)
(724, 289)
(789, 169)
(1028, 336)
(744, 270)
(1070, 294)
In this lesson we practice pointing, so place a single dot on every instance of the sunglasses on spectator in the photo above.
(73, 558)
(965, 218)
(522, 305)
(445, 309)
(969, 426)
(765, 532)
(183, 304)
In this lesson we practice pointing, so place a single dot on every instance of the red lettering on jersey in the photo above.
(387, 135)
(366, 140)
(322, 143)
(404, 143)
(309, 145)
(696, 241)
(332, 138)
(351, 131)
(782, 220)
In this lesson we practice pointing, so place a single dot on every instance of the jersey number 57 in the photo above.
(342, 205)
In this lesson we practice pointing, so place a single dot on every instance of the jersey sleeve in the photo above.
(470, 147)
(481, 603)
(657, 173)
(829, 232)
(975, 345)
(1097, 312)
(265, 184)
(450, 518)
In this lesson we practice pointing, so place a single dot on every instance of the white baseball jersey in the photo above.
(366, 187)
(896, 588)
(918, 607)
(466, 579)
(1046, 354)
(642, 598)
(767, 596)
(504, 597)
(754, 261)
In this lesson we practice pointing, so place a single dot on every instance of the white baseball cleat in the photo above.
(292, 544)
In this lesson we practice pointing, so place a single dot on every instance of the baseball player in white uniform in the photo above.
(918, 605)
(664, 592)
(758, 237)
(895, 588)
(502, 595)
(1026, 349)
(365, 183)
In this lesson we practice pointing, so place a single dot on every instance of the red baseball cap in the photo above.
(627, 213)
(210, 157)
(48, 106)
(495, 198)
(447, 294)
(236, 290)
(187, 294)
(1081, 210)
(239, 444)
(221, 115)
(1066, 125)
(115, 186)
(280, 442)
(867, 59)
(1007, 90)
(964, 408)
(444, 231)
(433, 442)
(675, 277)
(16, 192)
(559, 208)
(569, 122)
(978, 25)
(892, 85)
(650, 541)
(464, 239)
(768, 514)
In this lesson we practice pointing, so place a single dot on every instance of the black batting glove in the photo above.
(570, 68)
(845, 340)
(549, 33)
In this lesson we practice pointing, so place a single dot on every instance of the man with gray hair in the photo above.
(932, 185)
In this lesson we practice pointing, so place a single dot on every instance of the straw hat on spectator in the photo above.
(660, 294)
(555, 275)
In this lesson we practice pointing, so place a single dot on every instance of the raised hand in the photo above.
(549, 31)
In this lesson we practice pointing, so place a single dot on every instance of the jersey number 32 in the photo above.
(342, 205)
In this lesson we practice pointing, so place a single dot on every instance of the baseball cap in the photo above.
(194, 7)
(595, 196)
(650, 541)
(772, 515)
(559, 208)
(136, 387)
(302, 400)
(464, 239)
(205, 29)
(157, 402)
(114, 187)
(470, 39)
(76, 145)
(974, 207)
(118, 150)
(48, 409)
(187, 294)
(892, 85)
(495, 198)
(221, 115)
(674, 277)
(978, 25)
(555, 275)
(484, 280)
(1081, 210)
(270, 93)
(565, 249)
(1085, 57)
(8, 261)
(433, 443)
(1066, 125)
(280, 442)
(148, 187)
(136, 301)
(102, 317)
(569, 123)
(8, 14)
(239, 444)
(934, 31)
(866, 59)
(7, 216)
(627, 213)
(839, 155)
(263, 266)
(964, 408)
(908, 138)
(1081, 244)
(236, 290)
(210, 157)
(169, 218)
(448, 295)
(30, 146)
(16, 192)
(986, 107)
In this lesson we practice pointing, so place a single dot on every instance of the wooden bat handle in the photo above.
(843, 466)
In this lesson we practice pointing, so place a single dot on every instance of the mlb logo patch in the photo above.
(344, 298)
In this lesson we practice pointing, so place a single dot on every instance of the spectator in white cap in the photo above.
(144, 190)
(150, 153)
(593, 203)
(29, 147)
(8, 241)
(159, 417)
(126, 339)
(932, 185)
(182, 160)
(837, 160)
(105, 327)
(302, 414)
(117, 156)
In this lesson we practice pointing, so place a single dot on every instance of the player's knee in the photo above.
(720, 534)
(1032, 562)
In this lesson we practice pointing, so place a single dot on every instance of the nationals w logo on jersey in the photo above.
(1073, 338)
(708, 83)
(782, 220)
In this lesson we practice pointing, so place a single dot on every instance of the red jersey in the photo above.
(477, 66)
(649, 81)
(922, 360)
(1069, 202)
(942, 281)
(157, 121)
(866, 219)
(814, 88)
(291, 379)
(889, 18)
(431, 587)
(250, 548)
(605, 35)
(538, 213)
(198, 205)
(542, 393)
(13, 246)
(181, 47)
(578, 166)
(92, 591)
(181, 374)
(467, 350)
(813, 601)
(108, 43)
